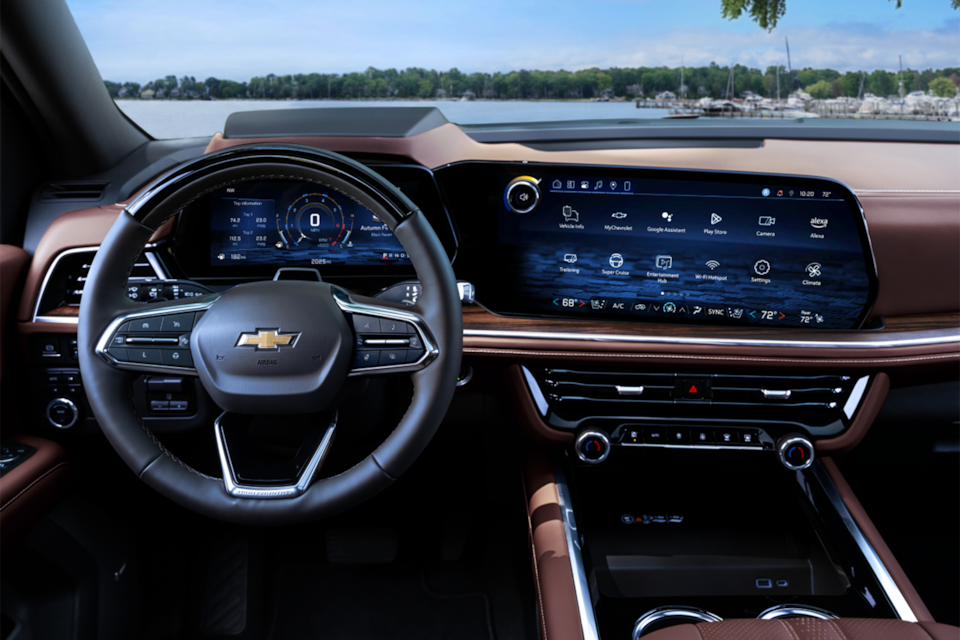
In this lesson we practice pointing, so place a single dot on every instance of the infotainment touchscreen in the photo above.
(720, 248)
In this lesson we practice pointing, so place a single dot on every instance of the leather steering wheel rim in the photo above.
(104, 300)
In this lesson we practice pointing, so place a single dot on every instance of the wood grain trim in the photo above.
(873, 536)
(862, 421)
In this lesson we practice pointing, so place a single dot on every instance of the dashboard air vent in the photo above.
(91, 191)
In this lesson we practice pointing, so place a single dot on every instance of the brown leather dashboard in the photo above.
(911, 215)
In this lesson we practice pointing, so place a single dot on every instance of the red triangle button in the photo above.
(693, 389)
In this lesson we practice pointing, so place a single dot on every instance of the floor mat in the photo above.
(383, 602)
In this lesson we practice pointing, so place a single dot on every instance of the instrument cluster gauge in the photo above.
(314, 220)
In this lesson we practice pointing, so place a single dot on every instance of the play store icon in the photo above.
(714, 218)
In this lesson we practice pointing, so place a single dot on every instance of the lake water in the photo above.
(189, 118)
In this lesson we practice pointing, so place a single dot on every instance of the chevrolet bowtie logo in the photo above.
(267, 339)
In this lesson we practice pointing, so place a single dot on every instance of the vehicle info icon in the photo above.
(570, 214)
(570, 257)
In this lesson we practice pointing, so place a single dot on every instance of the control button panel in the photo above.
(384, 342)
(162, 340)
(633, 435)
(169, 396)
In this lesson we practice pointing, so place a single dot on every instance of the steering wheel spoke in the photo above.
(156, 339)
(388, 338)
(249, 475)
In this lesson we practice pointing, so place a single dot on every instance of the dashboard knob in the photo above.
(62, 413)
(522, 195)
(592, 446)
(795, 451)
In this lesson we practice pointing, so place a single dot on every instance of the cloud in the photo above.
(136, 40)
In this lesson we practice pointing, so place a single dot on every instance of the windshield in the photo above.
(179, 68)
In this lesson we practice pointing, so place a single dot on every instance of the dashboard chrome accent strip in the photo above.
(272, 493)
(151, 258)
(629, 391)
(897, 601)
(535, 391)
(104, 343)
(655, 615)
(588, 620)
(430, 348)
(853, 401)
(952, 337)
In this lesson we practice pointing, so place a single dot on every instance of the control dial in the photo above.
(62, 413)
(592, 446)
(796, 452)
(522, 195)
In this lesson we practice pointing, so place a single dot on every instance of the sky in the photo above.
(139, 41)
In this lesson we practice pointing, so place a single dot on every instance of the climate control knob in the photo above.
(522, 195)
(796, 452)
(592, 446)
(62, 413)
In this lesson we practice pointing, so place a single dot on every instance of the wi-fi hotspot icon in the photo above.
(713, 264)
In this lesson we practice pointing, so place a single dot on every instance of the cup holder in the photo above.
(663, 617)
(796, 611)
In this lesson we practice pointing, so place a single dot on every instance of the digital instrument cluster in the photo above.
(292, 224)
(681, 246)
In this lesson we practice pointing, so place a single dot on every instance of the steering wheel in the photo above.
(280, 348)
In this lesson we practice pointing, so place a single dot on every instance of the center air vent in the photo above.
(569, 398)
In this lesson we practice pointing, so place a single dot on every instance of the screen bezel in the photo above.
(479, 213)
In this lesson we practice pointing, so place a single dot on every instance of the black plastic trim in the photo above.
(381, 122)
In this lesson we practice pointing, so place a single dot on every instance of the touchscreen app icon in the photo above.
(616, 261)
(664, 262)
(570, 257)
(570, 214)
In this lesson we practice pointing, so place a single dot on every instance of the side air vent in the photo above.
(91, 191)
(569, 398)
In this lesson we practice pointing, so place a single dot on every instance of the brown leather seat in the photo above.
(808, 629)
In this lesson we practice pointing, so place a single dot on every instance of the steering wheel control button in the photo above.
(119, 353)
(366, 324)
(176, 357)
(368, 358)
(413, 355)
(394, 326)
(177, 323)
(62, 413)
(145, 325)
(392, 357)
(144, 356)
(592, 446)
(796, 452)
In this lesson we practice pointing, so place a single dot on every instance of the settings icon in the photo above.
(762, 267)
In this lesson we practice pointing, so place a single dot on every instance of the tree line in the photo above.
(416, 82)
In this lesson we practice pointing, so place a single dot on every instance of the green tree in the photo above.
(767, 13)
(819, 89)
(943, 87)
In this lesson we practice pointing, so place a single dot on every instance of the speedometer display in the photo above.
(287, 223)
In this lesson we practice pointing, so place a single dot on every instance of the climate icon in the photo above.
(713, 264)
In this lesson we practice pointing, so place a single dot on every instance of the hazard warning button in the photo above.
(693, 389)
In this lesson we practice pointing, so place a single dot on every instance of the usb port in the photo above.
(764, 583)
(782, 583)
